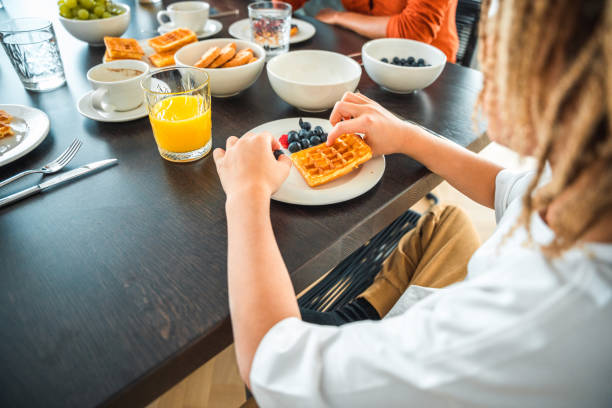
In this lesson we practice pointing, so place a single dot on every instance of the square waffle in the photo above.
(172, 40)
(321, 163)
(162, 59)
(123, 48)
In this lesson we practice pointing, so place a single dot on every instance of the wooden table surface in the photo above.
(113, 287)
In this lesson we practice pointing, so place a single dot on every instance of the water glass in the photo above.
(178, 102)
(271, 26)
(32, 48)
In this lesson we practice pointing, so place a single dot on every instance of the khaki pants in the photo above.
(434, 254)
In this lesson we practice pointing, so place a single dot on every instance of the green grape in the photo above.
(98, 11)
(64, 10)
(106, 14)
(92, 16)
(70, 3)
(60, 3)
(83, 14)
(75, 12)
(87, 4)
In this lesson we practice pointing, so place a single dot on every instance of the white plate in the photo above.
(295, 190)
(211, 28)
(86, 109)
(241, 29)
(30, 125)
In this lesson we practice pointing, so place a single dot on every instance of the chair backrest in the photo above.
(467, 17)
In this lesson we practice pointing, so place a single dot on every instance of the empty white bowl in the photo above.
(401, 79)
(224, 82)
(94, 31)
(313, 80)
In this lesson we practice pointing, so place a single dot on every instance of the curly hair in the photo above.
(548, 79)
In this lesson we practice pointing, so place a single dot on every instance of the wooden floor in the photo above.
(218, 384)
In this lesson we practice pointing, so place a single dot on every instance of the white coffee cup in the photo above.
(186, 14)
(117, 85)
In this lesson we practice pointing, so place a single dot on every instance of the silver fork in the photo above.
(53, 166)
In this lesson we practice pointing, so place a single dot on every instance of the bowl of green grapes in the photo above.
(92, 20)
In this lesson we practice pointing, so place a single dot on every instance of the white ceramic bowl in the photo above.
(224, 82)
(94, 31)
(400, 79)
(313, 80)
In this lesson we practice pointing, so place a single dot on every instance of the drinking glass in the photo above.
(271, 26)
(178, 102)
(32, 48)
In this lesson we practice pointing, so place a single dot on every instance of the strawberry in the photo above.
(283, 141)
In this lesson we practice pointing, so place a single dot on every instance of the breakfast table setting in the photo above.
(113, 281)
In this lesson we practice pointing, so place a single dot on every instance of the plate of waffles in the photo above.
(22, 129)
(157, 51)
(211, 28)
(300, 30)
(337, 163)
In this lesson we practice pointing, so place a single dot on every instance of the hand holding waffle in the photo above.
(248, 165)
(384, 132)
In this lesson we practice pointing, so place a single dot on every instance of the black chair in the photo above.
(467, 18)
(357, 271)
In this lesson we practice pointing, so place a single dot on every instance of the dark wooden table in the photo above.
(113, 288)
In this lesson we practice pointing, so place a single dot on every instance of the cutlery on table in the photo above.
(57, 180)
(51, 167)
(225, 13)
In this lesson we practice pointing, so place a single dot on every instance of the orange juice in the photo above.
(180, 123)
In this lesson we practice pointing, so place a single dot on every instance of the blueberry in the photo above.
(315, 140)
(304, 125)
(396, 60)
(305, 143)
(303, 133)
(318, 130)
(384, 60)
(277, 154)
(421, 62)
(292, 132)
(324, 137)
(295, 147)
(293, 137)
(410, 60)
(403, 61)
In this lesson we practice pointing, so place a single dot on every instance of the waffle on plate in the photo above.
(172, 40)
(321, 164)
(122, 48)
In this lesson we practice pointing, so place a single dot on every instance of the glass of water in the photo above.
(271, 26)
(32, 48)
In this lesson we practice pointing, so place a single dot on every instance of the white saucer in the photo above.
(86, 109)
(241, 29)
(211, 28)
(31, 127)
(295, 190)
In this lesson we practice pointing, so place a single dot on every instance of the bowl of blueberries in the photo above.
(402, 66)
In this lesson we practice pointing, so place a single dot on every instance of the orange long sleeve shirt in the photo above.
(430, 21)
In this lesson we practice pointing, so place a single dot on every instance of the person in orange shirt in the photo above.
(429, 21)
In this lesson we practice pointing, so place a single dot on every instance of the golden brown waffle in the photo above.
(122, 48)
(5, 131)
(172, 40)
(5, 117)
(162, 59)
(321, 163)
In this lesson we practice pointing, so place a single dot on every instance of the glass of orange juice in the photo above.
(178, 102)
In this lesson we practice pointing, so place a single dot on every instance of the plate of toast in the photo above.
(323, 174)
(300, 30)
(157, 51)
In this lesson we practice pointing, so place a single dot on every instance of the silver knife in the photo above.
(62, 178)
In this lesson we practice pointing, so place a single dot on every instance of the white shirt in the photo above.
(520, 331)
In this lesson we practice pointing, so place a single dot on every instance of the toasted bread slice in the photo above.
(209, 56)
(227, 53)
